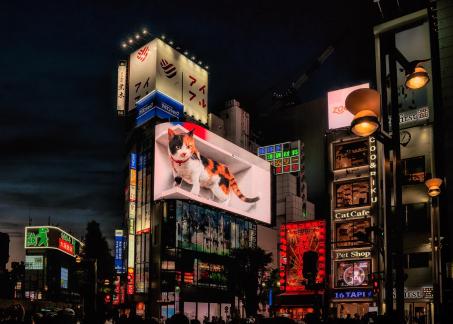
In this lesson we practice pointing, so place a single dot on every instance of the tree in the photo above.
(247, 274)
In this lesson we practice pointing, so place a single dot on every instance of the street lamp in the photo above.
(364, 104)
(433, 185)
(418, 78)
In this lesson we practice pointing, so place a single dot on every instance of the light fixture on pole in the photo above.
(418, 77)
(433, 185)
(364, 104)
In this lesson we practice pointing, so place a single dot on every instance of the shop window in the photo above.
(417, 218)
(347, 233)
(413, 170)
(352, 194)
(352, 154)
(419, 260)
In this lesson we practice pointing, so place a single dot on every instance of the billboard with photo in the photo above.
(194, 163)
(344, 233)
(172, 79)
(337, 114)
(350, 154)
(352, 273)
(301, 241)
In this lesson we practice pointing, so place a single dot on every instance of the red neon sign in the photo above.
(296, 239)
(65, 246)
(130, 281)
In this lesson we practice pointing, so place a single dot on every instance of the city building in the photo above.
(50, 264)
(191, 196)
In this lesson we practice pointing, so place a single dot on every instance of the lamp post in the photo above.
(433, 186)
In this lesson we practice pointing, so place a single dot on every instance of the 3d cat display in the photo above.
(191, 167)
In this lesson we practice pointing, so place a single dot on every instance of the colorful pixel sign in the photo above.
(285, 157)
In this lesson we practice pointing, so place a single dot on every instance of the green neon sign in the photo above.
(38, 239)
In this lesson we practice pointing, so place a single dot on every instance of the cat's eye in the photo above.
(178, 147)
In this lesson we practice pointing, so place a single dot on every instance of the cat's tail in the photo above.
(235, 188)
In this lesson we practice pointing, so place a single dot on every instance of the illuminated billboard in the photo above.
(194, 163)
(337, 113)
(51, 237)
(285, 157)
(120, 244)
(34, 262)
(64, 278)
(298, 242)
(352, 273)
(157, 69)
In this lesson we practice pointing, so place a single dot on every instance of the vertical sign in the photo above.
(119, 249)
(373, 169)
(121, 89)
(131, 225)
(283, 247)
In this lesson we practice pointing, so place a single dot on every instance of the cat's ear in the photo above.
(191, 132)
(171, 133)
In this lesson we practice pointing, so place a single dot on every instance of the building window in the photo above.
(418, 260)
(349, 155)
(352, 194)
(346, 233)
(417, 218)
(413, 170)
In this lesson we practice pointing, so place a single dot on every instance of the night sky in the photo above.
(61, 142)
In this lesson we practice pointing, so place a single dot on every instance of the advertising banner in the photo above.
(132, 209)
(121, 88)
(120, 243)
(211, 231)
(34, 262)
(51, 237)
(142, 72)
(337, 113)
(194, 163)
(298, 242)
(285, 157)
(175, 80)
(352, 273)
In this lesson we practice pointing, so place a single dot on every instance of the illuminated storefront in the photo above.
(50, 264)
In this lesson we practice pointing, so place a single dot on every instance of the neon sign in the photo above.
(353, 294)
(285, 157)
(51, 237)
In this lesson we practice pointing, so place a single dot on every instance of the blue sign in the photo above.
(156, 104)
(133, 162)
(120, 244)
(353, 294)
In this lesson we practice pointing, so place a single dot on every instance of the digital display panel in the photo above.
(194, 163)
(285, 157)
(210, 274)
(297, 240)
(338, 115)
(345, 233)
(352, 194)
(211, 231)
(34, 262)
(351, 154)
(64, 278)
(51, 237)
(352, 273)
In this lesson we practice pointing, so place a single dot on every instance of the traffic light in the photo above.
(375, 278)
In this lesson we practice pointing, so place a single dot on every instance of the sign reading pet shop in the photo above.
(352, 254)
(51, 237)
(194, 163)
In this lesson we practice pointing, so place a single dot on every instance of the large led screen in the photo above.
(210, 231)
(352, 273)
(303, 241)
(194, 163)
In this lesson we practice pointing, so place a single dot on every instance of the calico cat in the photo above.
(199, 171)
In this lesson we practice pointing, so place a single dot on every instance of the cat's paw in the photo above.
(177, 182)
